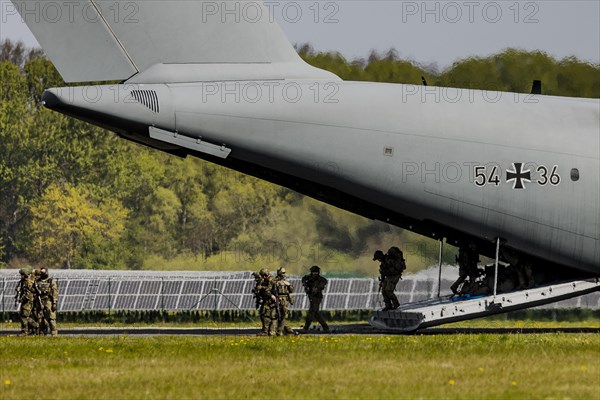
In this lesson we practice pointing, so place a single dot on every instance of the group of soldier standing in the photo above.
(274, 294)
(38, 295)
(274, 298)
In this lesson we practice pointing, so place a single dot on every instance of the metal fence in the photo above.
(82, 290)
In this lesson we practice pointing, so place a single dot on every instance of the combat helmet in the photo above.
(27, 270)
(263, 271)
(281, 271)
(378, 255)
(315, 268)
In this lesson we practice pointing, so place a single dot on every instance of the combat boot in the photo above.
(23, 334)
(289, 331)
(54, 333)
(306, 327)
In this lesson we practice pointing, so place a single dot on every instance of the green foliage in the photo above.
(77, 196)
(513, 70)
(66, 224)
(41, 75)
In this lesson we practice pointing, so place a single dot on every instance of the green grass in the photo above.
(310, 367)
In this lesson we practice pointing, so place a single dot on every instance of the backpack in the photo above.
(397, 259)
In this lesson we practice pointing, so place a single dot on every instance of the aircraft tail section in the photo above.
(100, 40)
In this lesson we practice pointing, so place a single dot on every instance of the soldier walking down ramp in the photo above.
(48, 292)
(314, 284)
(467, 260)
(265, 292)
(25, 296)
(283, 291)
(391, 267)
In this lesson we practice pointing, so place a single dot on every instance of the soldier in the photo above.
(522, 267)
(467, 260)
(25, 296)
(257, 279)
(390, 268)
(48, 292)
(283, 291)
(264, 290)
(314, 284)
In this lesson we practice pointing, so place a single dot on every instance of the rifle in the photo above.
(38, 295)
(257, 299)
(277, 303)
(381, 276)
(18, 295)
(309, 285)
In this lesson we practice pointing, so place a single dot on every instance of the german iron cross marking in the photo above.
(518, 176)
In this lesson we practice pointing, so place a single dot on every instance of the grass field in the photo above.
(307, 367)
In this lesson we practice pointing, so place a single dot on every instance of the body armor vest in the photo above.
(45, 287)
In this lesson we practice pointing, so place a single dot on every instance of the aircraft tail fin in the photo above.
(101, 40)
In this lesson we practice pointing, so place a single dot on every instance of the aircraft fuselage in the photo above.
(524, 168)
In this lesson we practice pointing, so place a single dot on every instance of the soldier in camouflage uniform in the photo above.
(264, 290)
(257, 278)
(467, 260)
(48, 291)
(521, 266)
(25, 296)
(283, 291)
(390, 271)
(314, 284)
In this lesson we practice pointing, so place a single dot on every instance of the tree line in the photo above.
(75, 196)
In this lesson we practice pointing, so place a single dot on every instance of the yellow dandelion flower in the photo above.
(584, 367)
(100, 348)
(451, 382)
(7, 382)
(66, 353)
(514, 383)
(480, 369)
(109, 350)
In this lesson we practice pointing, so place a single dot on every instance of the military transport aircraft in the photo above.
(515, 174)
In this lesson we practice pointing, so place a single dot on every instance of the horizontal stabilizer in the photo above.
(99, 40)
